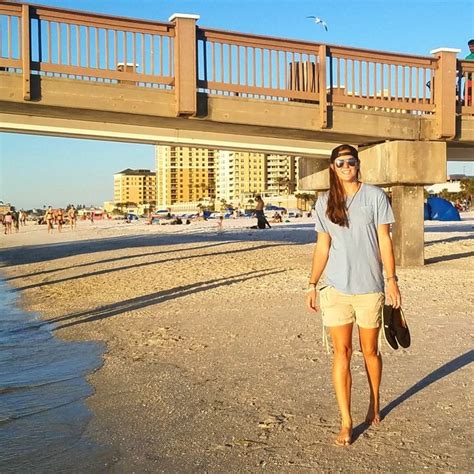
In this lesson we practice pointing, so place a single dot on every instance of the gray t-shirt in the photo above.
(354, 265)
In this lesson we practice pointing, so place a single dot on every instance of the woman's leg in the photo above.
(373, 366)
(341, 374)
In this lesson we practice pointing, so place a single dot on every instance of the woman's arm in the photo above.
(386, 253)
(320, 258)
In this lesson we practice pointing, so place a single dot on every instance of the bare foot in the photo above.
(373, 415)
(344, 438)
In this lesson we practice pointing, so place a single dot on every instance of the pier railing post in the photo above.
(444, 85)
(26, 51)
(323, 102)
(185, 63)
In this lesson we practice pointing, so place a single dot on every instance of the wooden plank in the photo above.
(78, 45)
(323, 106)
(102, 73)
(265, 91)
(10, 10)
(26, 51)
(102, 21)
(107, 63)
(372, 102)
(97, 49)
(49, 41)
(9, 36)
(13, 63)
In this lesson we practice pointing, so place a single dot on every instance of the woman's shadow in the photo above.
(438, 374)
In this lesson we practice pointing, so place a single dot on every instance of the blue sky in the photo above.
(36, 171)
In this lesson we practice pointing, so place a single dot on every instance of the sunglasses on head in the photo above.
(339, 162)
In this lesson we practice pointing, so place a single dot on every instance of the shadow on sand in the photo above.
(141, 265)
(294, 233)
(443, 371)
(449, 239)
(447, 258)
(132, 304)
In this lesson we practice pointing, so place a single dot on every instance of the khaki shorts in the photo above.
(338, 308)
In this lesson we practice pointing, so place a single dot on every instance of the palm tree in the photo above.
(307, 198)
(285, 183)
(467, 187)
(445, 194)
(280, 182)
(119, 206)
(224, 204)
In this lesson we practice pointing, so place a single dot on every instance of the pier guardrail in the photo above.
(185, 59)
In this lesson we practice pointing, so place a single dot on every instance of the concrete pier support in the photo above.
(408, 230)
(403, 166)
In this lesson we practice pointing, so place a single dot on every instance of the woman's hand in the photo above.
(311, 301)
(392, 292)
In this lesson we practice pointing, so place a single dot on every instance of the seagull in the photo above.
(318, 21)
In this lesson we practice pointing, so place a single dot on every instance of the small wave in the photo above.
(42, 392)
(19, 388)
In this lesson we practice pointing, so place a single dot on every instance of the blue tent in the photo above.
(438, 209)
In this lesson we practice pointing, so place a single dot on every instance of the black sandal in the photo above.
(388, 327)
(402, 333)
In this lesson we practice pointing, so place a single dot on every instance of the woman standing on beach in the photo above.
(49, 219)
(60, 219)
(353, 241)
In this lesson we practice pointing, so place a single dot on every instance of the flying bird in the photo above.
(318, 21)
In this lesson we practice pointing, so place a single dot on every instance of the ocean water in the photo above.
(43, 415)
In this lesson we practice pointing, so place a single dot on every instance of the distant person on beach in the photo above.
(16, 220)
(261, 219)
(470, 45)
(72, 215)
(49, 219)
(8, 222)
(353, 244)
(277, 218)
(60, 219)
(23, 217)
(220, 223)
(469, 57)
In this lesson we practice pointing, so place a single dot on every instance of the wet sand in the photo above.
(213, 363)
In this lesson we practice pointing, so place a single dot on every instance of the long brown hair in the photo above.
(336, 210)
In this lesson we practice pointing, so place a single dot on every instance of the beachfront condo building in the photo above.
(282, 174)
(187, 175)
(135, 186)
(184, 174)
(238, 173)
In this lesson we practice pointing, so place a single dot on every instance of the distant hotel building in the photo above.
(184, 174)
(187, 174)
(137, 186)
(239, 173)
(282, 174)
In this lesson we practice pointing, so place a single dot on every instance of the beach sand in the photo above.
(213, 363)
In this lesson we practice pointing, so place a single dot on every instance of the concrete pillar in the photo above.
(408, 230)
(404, 166)
(313, 173)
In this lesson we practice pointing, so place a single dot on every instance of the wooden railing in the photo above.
(38, 40)
(86, 46)
(389, 81)
(262, 67)
(255, 66)
(10, 36)
(465, 89)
